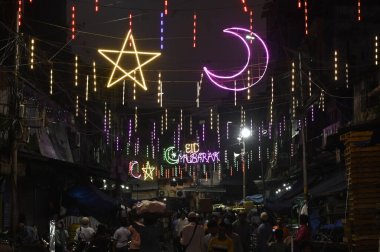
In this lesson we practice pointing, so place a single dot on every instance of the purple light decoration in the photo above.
(178, 136)
(270, 130)
(312, 113)
(105, 117)
(130, 131)
(162, 30)
(117, 144)
(203, 132)
(138, 145)
(284, 119)
(234, 31)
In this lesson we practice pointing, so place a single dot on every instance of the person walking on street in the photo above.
(121, 236)
(264, 233)
(192, 235)
(61, 237)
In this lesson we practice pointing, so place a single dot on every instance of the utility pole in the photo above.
(303, 133)
(14, 100)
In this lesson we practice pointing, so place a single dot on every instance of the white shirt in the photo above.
(180, 225)
(121, 236)
(84, 233)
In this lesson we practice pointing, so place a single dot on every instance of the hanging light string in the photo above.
(87, 88)
(211, 119)
(105, 118)
(19, 12)
(166, 7)
(199, 86)
(191, 125)
(136, 119)
(130, 27)
(299, 4)
(134, 86)
(161, 30)
(194, 29)
(335, 65)
(376, 50)
(76, 70)
(235, 93)
(251, 24)
(347, 76)
(271, 102)
(160, 91)
(181, 119)
(162, 124)
(245, 8)
(109, 126)
(166, 119)
(306, 18)
(85, 114)
(293, 91)
(51, 81)
(77, 107)
(94, 77)
(96, 5)
(32, 53)
(310, 93)
(249, 82)
(123, 100)
(73, 25)
(359, 11)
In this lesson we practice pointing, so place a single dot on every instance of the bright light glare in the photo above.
(245, 132)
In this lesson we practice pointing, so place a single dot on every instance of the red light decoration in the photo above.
(73, 22)
(195, 30)
(299, 4)
(306, 19)
(19, 12)
(166, 7)
(251, 23)
(96, 5)
(245, 8)
(359, 11)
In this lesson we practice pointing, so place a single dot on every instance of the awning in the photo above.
(93, 202)
(334, 183)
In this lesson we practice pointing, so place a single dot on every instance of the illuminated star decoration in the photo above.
(107, 53)
(148, 171)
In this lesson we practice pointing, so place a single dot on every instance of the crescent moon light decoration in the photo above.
(131, 165)
(170, 156)
(239, 32)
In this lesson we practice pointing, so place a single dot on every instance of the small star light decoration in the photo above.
(148, 171)
(114, 57)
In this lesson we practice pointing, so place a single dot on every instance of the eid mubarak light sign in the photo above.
(115, 57)
(191, 155)
(230, 82)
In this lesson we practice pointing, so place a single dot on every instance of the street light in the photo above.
(244, 133)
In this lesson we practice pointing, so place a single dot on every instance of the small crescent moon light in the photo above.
(238, 32)
(168, 156)
(131, 165)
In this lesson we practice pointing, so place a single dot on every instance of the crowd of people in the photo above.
(189, 232)
(231, 232)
